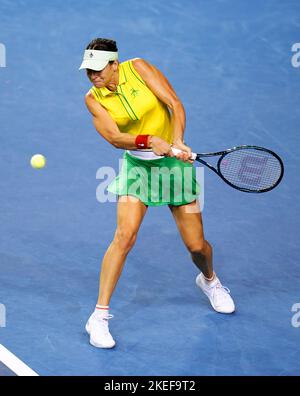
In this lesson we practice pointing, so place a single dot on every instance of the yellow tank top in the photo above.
(134, 107)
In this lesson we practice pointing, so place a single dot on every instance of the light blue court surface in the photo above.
(230, 61)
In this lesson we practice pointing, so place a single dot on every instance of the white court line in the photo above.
(15, 364)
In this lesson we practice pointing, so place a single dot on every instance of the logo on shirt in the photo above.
(134, 92)
(91, 55)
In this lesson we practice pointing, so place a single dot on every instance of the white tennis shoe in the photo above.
(97, 328)
(218, 295)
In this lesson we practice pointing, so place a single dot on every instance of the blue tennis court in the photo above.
(234, 65)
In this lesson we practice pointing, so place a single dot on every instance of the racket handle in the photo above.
(177, 151)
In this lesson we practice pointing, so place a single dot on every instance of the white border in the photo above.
(15, 364)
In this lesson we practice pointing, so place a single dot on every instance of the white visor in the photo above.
(96, 59)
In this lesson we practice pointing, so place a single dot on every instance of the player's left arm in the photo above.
(160, 86)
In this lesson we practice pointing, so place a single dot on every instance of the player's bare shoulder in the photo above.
(89, 97)
(145, 69)
(90, 101)
(94, 107)
(140, 64)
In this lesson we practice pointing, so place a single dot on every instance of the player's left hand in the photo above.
(186, 151)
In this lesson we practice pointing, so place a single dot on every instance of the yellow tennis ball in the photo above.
(38, 161)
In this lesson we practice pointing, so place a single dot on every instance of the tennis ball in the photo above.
(38, 161)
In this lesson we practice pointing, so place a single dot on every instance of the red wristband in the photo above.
(141, 141)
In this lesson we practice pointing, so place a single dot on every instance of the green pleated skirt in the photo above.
(161, 181)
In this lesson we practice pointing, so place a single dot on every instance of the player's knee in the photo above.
(198, 247)
(125, 239)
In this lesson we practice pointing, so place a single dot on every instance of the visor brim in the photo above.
(93, 64)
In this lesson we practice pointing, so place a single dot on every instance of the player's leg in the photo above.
(130, 213)
(189, 222)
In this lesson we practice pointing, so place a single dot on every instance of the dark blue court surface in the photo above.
(5, 371)
(231, 64)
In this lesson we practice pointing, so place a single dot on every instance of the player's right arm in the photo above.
(109, 130)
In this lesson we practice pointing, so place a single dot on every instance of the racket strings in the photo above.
(251, 169)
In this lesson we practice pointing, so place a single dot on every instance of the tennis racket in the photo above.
(250, 169)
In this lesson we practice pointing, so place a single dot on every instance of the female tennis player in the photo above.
(135, 108)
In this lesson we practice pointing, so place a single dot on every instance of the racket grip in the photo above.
(177, 151)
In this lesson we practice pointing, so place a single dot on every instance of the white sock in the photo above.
(208, 281)
(102, 310)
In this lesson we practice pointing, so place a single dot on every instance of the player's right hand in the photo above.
(160, 146)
